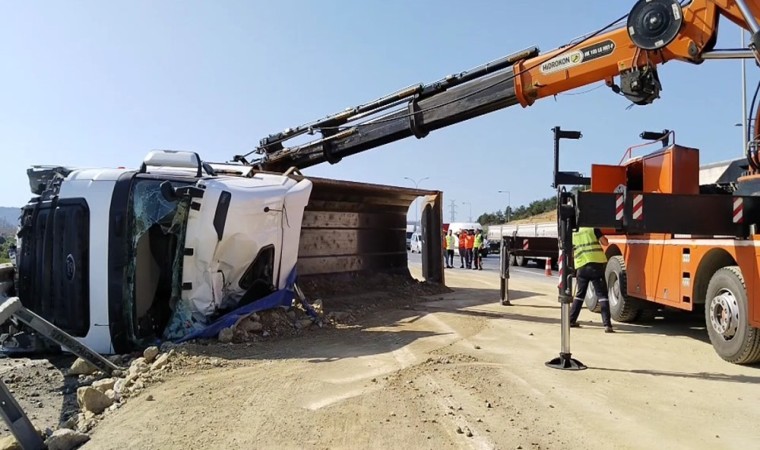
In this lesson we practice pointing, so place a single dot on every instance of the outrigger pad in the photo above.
(8, 308)
(565, 362)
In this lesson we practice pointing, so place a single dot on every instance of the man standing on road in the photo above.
(462, 248)
(450, 246)
(469, 242)
(590, 262)
(477, 248)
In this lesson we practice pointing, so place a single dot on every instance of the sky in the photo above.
(100, 84)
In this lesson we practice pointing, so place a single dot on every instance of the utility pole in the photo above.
(416, 201)
(453, 210)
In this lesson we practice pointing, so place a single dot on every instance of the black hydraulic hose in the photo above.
(749, 153)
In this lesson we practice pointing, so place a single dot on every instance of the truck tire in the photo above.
(521, 261)
(592, 301)
(512, 260)
(622, 307)
(727, 318)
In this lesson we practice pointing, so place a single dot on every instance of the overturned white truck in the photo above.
(118, 256)
(124, 258)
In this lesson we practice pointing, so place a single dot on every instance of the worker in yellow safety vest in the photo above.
(590, 262)
(451, 243)
(477, 261)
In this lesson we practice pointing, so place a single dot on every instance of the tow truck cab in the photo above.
(122, 258)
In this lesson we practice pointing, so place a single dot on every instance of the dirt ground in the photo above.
(427, 369)
(458, 370)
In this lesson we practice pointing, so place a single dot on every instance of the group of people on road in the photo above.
(470, 244)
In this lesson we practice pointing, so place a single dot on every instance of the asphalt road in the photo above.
(531, 272)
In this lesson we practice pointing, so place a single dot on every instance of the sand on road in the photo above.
(454, 371)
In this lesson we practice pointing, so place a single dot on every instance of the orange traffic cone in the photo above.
(548, 267)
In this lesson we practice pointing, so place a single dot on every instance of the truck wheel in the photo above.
(591, 301)
(727, 318)
(622, 307)
(521, 261)
(512, 260)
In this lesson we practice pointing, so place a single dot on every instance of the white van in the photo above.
(415, 244)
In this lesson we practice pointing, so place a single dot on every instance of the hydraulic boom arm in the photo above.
(655, 32)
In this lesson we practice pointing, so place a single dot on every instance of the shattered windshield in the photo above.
(154, 268)
(151, 207)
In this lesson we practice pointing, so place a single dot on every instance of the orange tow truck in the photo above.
(676, 243)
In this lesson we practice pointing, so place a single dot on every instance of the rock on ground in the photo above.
(91, 399)
(150, 354)
(104, 385)
(226, 335)
(9, 443)
(82, 367)
(160, 362)
(65, 439)
(138, 366)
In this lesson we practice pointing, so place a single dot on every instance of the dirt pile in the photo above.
(348, 296)
(341, 285)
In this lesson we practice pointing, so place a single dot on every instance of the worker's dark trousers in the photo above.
(469, 258)
(476, 263)
(591, 273)
(463, 256)
(450, 258)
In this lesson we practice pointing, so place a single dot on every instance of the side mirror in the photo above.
(172, 194)
(168, 191)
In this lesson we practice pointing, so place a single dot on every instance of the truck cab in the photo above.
(123, 258)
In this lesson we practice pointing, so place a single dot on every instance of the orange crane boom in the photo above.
(665, 31)
(655, 32)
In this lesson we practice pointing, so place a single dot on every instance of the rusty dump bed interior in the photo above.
(351, 227)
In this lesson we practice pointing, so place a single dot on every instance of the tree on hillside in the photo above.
(491, 218)
(521, 212)
(6, 228)
(9, 240)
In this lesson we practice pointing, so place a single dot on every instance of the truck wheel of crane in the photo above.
(521, 261)
(622, 307)
(592, 301)
(512, 260)
(727, 318)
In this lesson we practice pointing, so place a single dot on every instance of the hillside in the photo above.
(549, 216)
(8, 220)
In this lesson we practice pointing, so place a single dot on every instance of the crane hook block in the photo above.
(653, 24)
